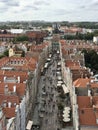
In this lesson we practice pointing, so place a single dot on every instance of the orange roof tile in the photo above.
(94, 85)
(9, 112)
(23, 75)
(20, 88)
(9, 98)
(87, 117)
(84, 102)
(81, 82)
(95, 100)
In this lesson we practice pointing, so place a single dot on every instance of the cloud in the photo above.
(3, 1)
(61, 12)
(3, 9)
(13, 4)
(41, 2)
(29, 7)
(10, 2)
(82, 7)
(49, 10)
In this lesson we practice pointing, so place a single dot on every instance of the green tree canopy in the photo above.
(21, 38)
(91, 59)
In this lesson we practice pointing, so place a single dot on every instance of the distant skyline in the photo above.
(52, 10)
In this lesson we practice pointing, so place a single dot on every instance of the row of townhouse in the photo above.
(36, 36)
(83, 88)
(18, 87)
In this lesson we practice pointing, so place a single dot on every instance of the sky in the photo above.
(49, 10)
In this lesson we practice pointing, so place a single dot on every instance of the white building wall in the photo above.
(67, 76)
(11, 124)
(17, 121)
(95, 39)
(22, 114)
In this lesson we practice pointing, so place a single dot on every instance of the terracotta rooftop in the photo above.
(20, 88)
(81, 82)
(81, 46)
(7, 98)
(95, 100)
(3, 61)
(12, 74)
(7, 35)
(9, 112)
(70, 63)
(84, 102)
(94, 85)
(87, 117)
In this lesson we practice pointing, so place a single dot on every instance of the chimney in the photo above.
(5, 104)
(6, 89)
(14, 88)
(89, 92)
(9, 104)
(17, 107)
(91, 100)
(4, 78)
(89, 89)
(18, 79)
(88, 85)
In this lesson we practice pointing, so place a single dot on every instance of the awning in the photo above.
(66, 115)
(65, 112)
(65, 89)
(48, 59)
(66, 119)
(59, 78)
(46, 65)
(59, 63)
(60, 82)
(29, 125)
(67, 108)
(59, 85)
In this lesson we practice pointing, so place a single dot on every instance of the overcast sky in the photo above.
(49, 10)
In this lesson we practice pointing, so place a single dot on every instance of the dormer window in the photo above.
(96, 120)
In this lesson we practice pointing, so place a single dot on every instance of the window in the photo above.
(18, 62)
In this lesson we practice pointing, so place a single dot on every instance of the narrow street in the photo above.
(50, 119)
(47, 109)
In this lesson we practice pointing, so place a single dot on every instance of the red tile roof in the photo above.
(3, 61)
(95, 100)
(8, 98)
(87, 117)
(81, 82)
(84, 102)
(20, 88)
(23, 75)
(94, 85)
(70, 63)
(9, 112)
(7, 35)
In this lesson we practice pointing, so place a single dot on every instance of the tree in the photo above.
(91, 58)
(6, 53)
(21, 38)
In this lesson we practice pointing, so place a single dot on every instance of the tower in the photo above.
(11, 52)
